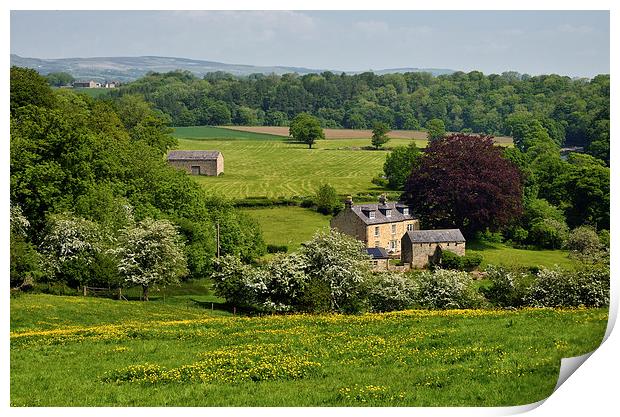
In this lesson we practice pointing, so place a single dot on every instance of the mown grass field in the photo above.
(272, 167)
(82, 351)
(500, 254)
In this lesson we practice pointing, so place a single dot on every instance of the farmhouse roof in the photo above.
(380, 213)
(435, 236)
(192, 155)
(377, 253)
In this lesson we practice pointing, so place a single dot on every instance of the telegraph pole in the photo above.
(218, 239)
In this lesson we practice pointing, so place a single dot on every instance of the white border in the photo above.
(591, 391)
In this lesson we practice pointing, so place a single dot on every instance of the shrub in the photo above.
(25, 262)
(445, 289)
(488, 236)
(508, 287)
(471, 261)
(583, 240)
(450, 260)
(549, 233)
(316, 297)
(237, 282)
(390, 291)
(604, 238)
(327, 201)
(277, 248)
(557, 288)
(380, 181)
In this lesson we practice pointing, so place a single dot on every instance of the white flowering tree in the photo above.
(71, 246)
(341, 262)
(151, 253)
(286, 280)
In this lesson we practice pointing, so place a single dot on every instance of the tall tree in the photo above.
(307, 129)
(464, 181)
(379, 134)
(399, 164)
(435, 129)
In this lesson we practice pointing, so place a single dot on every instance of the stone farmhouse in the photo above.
(421, 247)
(198, 162)
(390, 230)
(379, 225)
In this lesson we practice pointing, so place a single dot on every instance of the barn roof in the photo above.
(377, 253)
(192, 155)
(435, 236)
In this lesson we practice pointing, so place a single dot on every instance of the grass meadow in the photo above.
(288, 226)
(276, 168)
(83, 351)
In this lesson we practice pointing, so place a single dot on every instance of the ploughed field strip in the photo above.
(415, 357)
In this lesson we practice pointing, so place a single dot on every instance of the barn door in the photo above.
(195, 170)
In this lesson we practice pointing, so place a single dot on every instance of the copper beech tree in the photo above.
(464, 181)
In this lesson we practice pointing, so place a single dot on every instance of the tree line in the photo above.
(574, 111)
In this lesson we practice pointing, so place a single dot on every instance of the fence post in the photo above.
(234, 311)
(84, 290)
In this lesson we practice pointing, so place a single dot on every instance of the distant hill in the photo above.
(131, 68)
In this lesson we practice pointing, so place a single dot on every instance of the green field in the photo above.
(500, 254)
(278, 169)
(258, 165)
(82, 351)
(288, 226)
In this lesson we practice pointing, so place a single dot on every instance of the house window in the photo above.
(377, 243)
(371, 214)
(405, 211)
(388, 213)
(392, 245)
(376, 230)
(410, 227)
(393, 229)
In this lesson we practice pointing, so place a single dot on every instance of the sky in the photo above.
(574, 43)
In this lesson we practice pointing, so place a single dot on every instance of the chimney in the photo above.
(382, 199)
(348, 203)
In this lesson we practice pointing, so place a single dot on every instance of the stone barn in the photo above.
(198, 162)
(420, 247)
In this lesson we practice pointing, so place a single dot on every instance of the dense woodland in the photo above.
(88, 175)
(573, 111)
